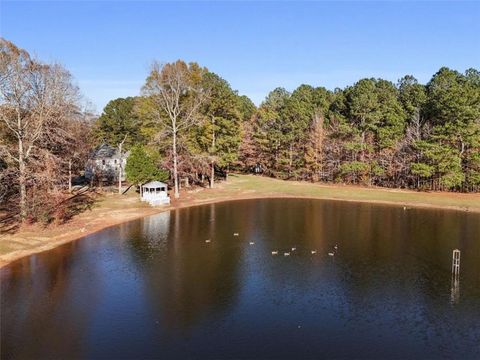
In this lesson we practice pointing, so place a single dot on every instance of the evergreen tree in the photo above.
(141, 167)
(118, 119)
(246, 107)
(219, 135)
(269, 131)
(453, 108)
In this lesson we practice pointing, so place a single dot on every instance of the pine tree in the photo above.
(118, 119)
(141, 167)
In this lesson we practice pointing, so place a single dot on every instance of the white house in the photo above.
(155, 193)
(104, 163)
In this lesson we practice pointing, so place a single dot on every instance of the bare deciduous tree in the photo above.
(174, 93)
(36, 102)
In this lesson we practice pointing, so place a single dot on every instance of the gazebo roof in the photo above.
(154, 185)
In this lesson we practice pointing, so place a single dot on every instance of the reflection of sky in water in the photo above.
(154, 287)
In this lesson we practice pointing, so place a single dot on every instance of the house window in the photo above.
(115, 161)
(103, 162)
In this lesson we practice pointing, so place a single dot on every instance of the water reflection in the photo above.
(154, 288)
(42, 293)
(455, 296)
(191, 279)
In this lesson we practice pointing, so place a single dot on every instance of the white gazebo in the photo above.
(155, 193)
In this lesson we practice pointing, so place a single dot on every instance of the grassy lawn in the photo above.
(262, 186)
(113, 209)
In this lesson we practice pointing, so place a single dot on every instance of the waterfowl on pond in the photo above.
(275, 252)
(294, 248)
(235, 234)
(286, 254)
(331, 254)
(336, 247)
(207, 241)
(314, 251)
(252, 243)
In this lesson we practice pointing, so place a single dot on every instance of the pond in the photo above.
(156, 288)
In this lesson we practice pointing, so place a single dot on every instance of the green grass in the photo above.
(264, 186)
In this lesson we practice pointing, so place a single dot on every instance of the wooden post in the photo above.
(455, 291)
(456, 263)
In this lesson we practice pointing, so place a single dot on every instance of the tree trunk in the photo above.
(212, 175)
(175, 171)
(362, 153)
(120, 169)
(417, 125)
(290, 162)
(22, 181)
(70, 175)
(120, 181)
(120, 178)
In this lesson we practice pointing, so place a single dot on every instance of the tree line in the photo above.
(405, 135)
(375, 132)
(189, 124)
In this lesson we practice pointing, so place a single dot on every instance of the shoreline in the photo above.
(138, 213)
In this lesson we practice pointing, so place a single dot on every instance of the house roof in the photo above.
(155, 184)
(104, 151)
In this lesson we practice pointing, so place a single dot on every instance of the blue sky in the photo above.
(257, 46)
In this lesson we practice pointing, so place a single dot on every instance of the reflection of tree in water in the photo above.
(43, 312)
(185, 278)
(388, 277)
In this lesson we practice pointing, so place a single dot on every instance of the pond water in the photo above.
(154, 288)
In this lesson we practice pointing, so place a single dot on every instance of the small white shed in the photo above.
(155, 193)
